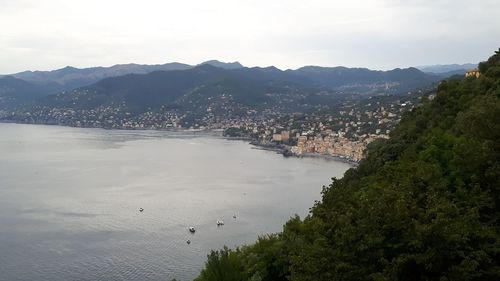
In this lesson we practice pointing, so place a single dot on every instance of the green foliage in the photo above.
(266, 260)
(237, 132)
(223, 265)
(423, 205)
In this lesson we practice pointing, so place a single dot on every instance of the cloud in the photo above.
(377, 34)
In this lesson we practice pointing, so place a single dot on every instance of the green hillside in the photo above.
(423, 205)
(14, 91)
(248, 86)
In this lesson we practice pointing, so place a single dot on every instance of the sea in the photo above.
(70, 200)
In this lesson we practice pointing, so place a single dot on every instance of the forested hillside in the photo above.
(248, 86)
(423, 205)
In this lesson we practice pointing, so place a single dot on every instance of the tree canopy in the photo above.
(423, 205)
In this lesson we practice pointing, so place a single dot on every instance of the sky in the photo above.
(378, 34)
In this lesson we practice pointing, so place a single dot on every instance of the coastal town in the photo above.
(343, 131)
(344, 134)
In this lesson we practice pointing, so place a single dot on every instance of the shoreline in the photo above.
(287, 153)
(278, 148)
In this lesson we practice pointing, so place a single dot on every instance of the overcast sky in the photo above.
(383, 34)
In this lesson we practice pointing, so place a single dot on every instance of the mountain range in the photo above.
(176, 84)
(448, 69)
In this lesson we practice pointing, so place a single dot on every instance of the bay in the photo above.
(70, 200)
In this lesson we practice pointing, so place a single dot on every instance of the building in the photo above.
(472, 73)
(285, 136)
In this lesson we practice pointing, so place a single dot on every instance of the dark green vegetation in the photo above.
(234, 132)
(423, 205)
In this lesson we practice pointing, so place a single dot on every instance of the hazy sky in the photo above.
(382, 34)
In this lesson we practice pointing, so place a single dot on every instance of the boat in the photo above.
(141, 209)
(191, 229)
(234, 216)
(188, 241)
(219, 223)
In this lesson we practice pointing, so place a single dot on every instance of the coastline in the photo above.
(285, 151)
(278, 148)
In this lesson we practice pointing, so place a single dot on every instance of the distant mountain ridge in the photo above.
(42, 83)
(447, 69)
(351, 77)
(71, 77)
(205, 86)
(134, 79)
(225, 65)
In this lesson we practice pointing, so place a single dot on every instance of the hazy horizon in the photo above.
(384, 34)
(134, 63)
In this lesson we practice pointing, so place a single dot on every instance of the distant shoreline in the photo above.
(305, 155)
(214, 132)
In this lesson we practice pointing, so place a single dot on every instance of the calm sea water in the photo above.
(69, 200)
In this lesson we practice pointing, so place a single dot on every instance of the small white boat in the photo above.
(188, 241)
(191, 229)
(219, 223)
